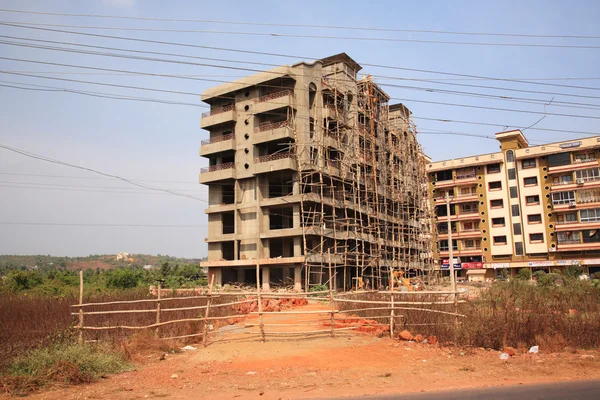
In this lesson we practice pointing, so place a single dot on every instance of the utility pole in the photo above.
(450, 247)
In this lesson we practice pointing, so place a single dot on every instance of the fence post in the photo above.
(207, 312)
(261, 326)
(80, 339)
(392, 316)
(331, 296)
(158, 308)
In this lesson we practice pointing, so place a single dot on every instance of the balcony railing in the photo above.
(466, 175)
(272, 157)
(559, 183)
(584, 160)
(269, 126)
(217, 167)
(469, 230)
(576, 240)
(219, 110)
(272, 96)
(472, 248)
(218, 139)
(566, 222)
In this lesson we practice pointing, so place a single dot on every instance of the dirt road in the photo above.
(237, 366)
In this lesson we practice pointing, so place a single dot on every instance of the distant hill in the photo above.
(105, 261)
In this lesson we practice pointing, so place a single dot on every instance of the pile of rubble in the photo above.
(269, 305)
(406, 335)
(363, 325)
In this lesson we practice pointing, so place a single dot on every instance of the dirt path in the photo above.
(237, 366)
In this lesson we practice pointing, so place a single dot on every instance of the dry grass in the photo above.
(507, 314)
(31, 322)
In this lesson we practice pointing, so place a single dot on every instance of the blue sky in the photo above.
(159, 142)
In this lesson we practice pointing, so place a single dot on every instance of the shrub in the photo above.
(61, 364)
(524, 274)
(549, 280)
(595, 275)
(573, 271)
(17, 281)
(123, 278)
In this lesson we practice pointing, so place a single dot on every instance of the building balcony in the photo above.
(218, 116)
(273, 101)
(472, 251)
(575, 225)
(460, 217)
(576, 245)
(590, 182)
(459, 198)
(217, 144)
(273, 131)
(217, 172)
(579, 164)
(274, 162)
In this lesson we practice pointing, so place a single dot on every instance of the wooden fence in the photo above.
(390, 311)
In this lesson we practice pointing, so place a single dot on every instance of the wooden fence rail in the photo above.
(330, 316)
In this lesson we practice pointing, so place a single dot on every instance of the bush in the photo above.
(573, 271)
(17, 281)
(595, 275)
(122, 278)
(550, 280)
(61, 364)
(524, 274)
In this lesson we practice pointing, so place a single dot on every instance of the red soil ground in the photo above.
(238, 366)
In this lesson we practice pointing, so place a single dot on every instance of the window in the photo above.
(518, 248)
(512, 174)
(496, 203)
(556, 160)
(589, 196)
(495, 185)
(531, 181)
(591, 236)
(499, 240)
(592, 215)
(517, 228)
(584, 157)
(443, 246)
(513, 192)
(469, 244)
(563, 197)
(536, 237)
(562, 179)
(470, 226)
(569, 218)
(592, 174)
(568, 237)
(467, 191)
(465, 173)
(493, 168)
(468, 208)
(510, 156)
(498, 222)
(529, 163)
(532, 200)
(534, 219)
(515, 210)
(443, 175)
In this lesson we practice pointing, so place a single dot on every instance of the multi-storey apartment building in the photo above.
(526, 206)
(311, 171)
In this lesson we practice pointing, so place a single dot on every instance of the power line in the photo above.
(423, 101)
(141, 191)
(131, 182)
(101, 225)
(301, 25)
(290, 56)
(92, 177)
(444, 91)
(302, 36)
(60, 189)
(286, 55)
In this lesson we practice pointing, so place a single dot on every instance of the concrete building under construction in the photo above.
(312, 175)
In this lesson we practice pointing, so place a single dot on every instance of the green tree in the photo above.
(524, 274)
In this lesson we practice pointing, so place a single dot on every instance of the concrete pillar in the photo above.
(298, 245)
(298, 278)
(241, 276)
(218, 276)
(286, 274)
(266, 278)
